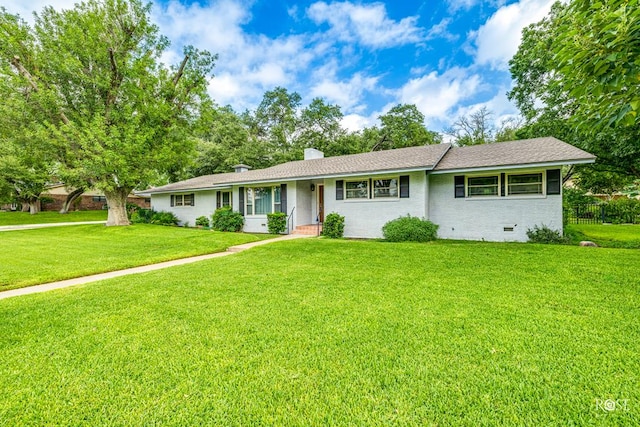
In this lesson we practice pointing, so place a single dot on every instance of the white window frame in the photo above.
(542, 184)
(347, 190)
(475, 196)
(370, 190)
(390, 178)
(179, 200)
(249, 204)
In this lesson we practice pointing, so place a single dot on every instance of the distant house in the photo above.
(493, 192)
(53, 198)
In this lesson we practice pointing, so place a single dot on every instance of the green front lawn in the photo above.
(607, 235)
(321, 332)
(20, 218)
(30, 257)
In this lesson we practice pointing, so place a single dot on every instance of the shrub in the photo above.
(622, 211)
(149, 216)
(164, 218)
(202, 221)
(410, 229)
(544, 234)
(225, 219)
(333, 226)
(276, 222)
(142, 216)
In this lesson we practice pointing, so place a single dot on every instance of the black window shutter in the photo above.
(218, 200)
(554, 182)
(339, 189)
(283, 198)
(459, 186)
(370, 188)
(173, 200)
(241, 200)
(193, 199)
(502, 184)
(404, 186)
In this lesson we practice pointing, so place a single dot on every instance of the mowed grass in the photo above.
(320, 332)
(607, 235)
(21, 218)
(30, 257)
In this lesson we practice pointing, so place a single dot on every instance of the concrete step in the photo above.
(308, 230)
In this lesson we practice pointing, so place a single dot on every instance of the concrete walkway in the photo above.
(142, 269)
(49, 224)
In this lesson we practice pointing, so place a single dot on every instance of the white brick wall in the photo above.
(258, 223)
(365, 218)
(205, 205)
(486, 218)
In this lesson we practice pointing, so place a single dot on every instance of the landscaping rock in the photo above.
(588, 243)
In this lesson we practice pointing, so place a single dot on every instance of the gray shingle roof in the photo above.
(411, 158)
(513, 153)
(440, 157)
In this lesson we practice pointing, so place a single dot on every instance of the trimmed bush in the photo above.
(410, 229)
(142, 216)
(149, 216)
(333, 226)
(225, 219)
(202, 221)
(277, 222)
(164, 218)
(544, 234)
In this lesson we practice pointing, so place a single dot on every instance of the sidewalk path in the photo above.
(49, 224)
(142, 269)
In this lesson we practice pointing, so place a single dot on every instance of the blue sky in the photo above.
(449, 58)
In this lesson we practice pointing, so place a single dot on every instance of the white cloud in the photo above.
(368, 25)
(436, 95)
(440, 30)
(498, 39)
(355, 122)
(248, 65)
(26, 8)
(455, 5)
(346, 93)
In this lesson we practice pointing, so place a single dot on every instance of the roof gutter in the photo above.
(335, 175)
(519, 166)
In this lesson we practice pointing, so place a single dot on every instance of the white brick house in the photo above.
(493, 192)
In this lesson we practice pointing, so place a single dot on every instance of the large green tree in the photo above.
(320, 127)
(577, 76)
(226, 139)
(276, 122)
(403, 126)
(93, 81)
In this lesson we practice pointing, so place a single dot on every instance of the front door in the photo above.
(321, 203)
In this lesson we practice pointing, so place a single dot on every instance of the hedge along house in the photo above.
(493, 192)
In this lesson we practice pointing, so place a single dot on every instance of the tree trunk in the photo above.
(71, 197)
(117, 205)
(34, 206)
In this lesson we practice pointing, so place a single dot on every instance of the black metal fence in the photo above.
(599, 213)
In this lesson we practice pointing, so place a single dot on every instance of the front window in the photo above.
(226, 198)
(358, 189)
(530, 183)
(385, 188)
(482, 186)
(183, 199)
(263, 200)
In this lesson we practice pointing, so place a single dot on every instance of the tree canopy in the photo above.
(577, 76)
(92, 87)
